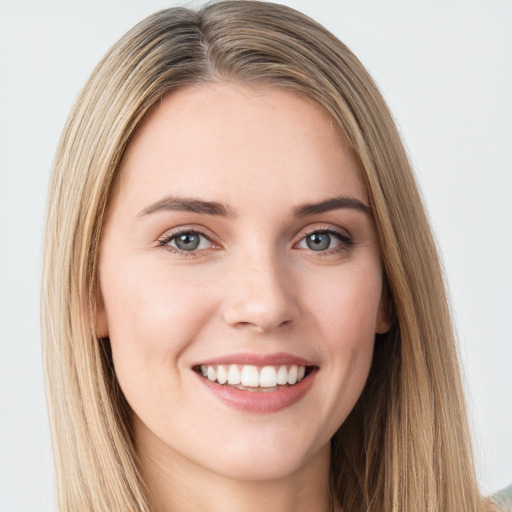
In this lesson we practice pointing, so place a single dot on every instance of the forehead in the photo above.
(229, 142)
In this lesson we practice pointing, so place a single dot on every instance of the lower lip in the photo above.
(261, 401)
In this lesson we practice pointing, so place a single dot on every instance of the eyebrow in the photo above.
(185, 204)
(335, 203)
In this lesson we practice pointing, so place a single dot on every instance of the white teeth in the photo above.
(212, 374)
(234, 375)
(282, 375)
(250, 376)
(222, 374)
(293, 373)
(253, 376)
(268, 377)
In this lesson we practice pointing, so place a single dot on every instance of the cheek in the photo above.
(153, 316)
(345, 311)
(149, 307)
(346, 307)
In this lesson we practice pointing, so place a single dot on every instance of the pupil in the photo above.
(187, 242)
(318, 241)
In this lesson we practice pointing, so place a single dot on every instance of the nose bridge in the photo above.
(261, 291)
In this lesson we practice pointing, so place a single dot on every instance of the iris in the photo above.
(187, 241)
(318, 241)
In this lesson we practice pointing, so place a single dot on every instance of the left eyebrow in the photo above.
(335, 203)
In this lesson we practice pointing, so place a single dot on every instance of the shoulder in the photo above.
(503, 499)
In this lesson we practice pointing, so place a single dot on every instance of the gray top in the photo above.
(503, 499)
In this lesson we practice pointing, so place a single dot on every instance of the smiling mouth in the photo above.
(255, 378)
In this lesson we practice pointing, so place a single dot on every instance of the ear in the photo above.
(385, 313)
(101, 319)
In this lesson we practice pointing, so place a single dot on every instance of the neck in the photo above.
(177, 484)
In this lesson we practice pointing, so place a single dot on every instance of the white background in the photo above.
(445, 69)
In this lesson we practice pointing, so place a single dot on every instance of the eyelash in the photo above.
(163, 242)
(346, 241)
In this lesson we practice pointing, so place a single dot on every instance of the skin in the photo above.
(254, 287)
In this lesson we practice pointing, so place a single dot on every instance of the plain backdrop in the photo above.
(445, 68)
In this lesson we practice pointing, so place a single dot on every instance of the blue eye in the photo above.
(186, 241)
(324, 240)
(318, 241)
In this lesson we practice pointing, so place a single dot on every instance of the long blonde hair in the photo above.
(405, 447)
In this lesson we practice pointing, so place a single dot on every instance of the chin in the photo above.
(259, 469)
(266, 461)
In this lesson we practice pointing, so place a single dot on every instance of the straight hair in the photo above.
(406, 445)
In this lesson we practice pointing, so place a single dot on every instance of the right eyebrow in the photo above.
(187, 204)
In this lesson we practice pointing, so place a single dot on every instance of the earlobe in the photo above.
(384, 315)
(101, 319)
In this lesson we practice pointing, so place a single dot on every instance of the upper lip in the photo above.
(275, 359)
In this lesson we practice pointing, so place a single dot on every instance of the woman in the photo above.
(243, 303)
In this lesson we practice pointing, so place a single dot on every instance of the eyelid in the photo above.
(344, 237)
(186, 228)
(326, 228)
(164, 239)
(345, 240)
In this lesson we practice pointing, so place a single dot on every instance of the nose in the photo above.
(261, 295)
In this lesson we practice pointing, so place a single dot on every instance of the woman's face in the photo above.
(238, 245)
